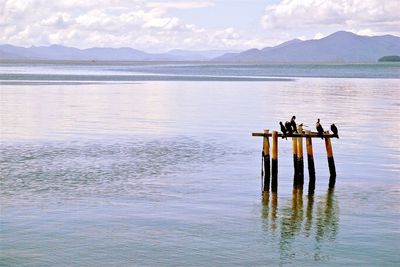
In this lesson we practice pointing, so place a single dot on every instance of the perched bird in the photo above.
(293, 124)
(334, 130)
(320, 129)
(289, 129)
(283, 130)
(300, 128)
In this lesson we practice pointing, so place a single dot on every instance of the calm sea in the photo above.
(155, 165)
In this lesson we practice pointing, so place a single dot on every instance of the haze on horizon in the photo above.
(158, 26)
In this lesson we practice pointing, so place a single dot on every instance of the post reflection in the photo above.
(327, 218)
(269, 211)
(295, 221)
(309, 211)
(274, 206)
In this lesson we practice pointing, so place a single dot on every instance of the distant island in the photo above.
(389, 59)
(339, 47)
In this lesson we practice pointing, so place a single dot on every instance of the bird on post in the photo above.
(320, 129)
(288, 128)
(300, 128)
(334, 130)
(283, 130)
(293, 124)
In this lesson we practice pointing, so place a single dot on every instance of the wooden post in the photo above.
(274, 182)
(311, 168)
(331, 161)
(295, 176)
(300, 163)
(266, 166)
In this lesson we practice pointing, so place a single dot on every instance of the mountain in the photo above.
(338, 47)
(59, 52)
(253, 54)
(294, 41)
(197, 55)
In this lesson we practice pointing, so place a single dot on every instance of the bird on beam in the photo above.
(293, 124)
(288, 128)
(334, 130)
(300, 128)
(283, 130)
(320, 129)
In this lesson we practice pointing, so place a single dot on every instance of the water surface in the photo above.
(166, 173)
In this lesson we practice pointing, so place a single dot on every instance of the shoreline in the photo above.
(189, 62)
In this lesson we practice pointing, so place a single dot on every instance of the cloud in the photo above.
(319, 36)
(161, 25)
(59, 20)
(111, 23)
(377, 15)
(180, 5)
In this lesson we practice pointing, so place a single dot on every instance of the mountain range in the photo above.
(59, 52)
(340, 46)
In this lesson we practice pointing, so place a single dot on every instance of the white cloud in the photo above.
(319, 36)
(180, 5)
(111, 23)
(159, 25)
(357, 15)
(59, 20)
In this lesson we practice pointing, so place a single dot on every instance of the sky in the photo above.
(159, 26)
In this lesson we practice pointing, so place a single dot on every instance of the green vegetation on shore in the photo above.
(389, 59)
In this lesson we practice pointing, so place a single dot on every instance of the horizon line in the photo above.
(234, 50)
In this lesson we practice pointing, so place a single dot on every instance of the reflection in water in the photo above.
(266, 211)
(293, 222)
(327, 218)
(310, 205)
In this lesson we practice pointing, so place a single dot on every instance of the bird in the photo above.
(300, 128)
(293, 124)
(288, 128)
(320, 129)
(283, 130)
(334, 130)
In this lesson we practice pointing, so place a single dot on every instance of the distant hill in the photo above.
(338, 47)
(201, 55)
(253, 54)
(389, 59)
(59, 52)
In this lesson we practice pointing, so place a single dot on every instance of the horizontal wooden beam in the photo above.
(303, 135)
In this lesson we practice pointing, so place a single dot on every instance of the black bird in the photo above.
(289, 129)
(320, 129)
(334, 130)
(283, 130)
(293, 124)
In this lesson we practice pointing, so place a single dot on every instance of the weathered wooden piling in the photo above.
(310, 162)
(295, 176)
(274, 170)
(300, 162)
(331, 161)
(266, 166)
(270, 164)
